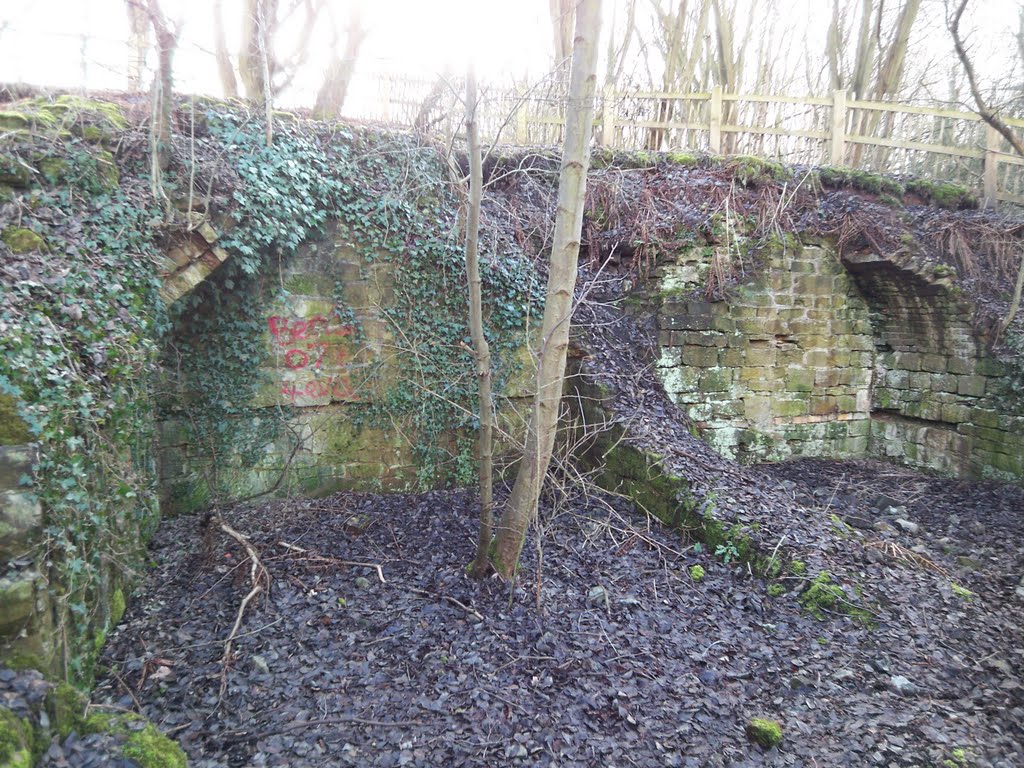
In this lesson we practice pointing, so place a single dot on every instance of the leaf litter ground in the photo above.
(652, 669)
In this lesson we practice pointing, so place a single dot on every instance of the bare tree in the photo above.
(993, 119)
(163, 85)
(261, 69)
(551, 357)
(331, 96)
(138, 25)
(562, 14)
(220, 47)
(481, 350)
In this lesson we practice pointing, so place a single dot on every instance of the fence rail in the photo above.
(931, 142)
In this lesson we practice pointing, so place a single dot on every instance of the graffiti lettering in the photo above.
(315, 344)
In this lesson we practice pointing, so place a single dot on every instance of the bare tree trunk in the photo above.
(268, 91)
(138, 24)
(562, 13)
(220, 48)
(163, 86)
(572, 187)
(433, 98)
(331, 96)
(864, 62)
(481, 350)
(254, 67)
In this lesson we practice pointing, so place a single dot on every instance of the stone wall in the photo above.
(328, 349)
(940, 401)
(783, 368)
(26, 620)
(817, 357)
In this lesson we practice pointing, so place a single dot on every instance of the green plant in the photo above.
(961, 592)
(727, 551)
(696, 572)
(776, 590)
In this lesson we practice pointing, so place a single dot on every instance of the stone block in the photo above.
(933, 363)
(21, 523)
(18, 598)
(715, 380)
(757, 409)
(761, 355)
(799, 380)
(909, 361)
(700, 357)
(960, 365)
(732, 357)
(971, 386)
(821, 406)
(898, 379)
(788, 408)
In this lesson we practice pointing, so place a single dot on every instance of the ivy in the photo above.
(387, 198)
(80, 316)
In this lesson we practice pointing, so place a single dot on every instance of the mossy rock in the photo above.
(15, 741)
(66, 706)
(143, 742)
(21, 240)
(685, 159)
(151, 749)
(765, 732)
(13, 429)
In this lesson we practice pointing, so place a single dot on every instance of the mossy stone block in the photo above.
(21, 240)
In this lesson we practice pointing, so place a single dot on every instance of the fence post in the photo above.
(716, 120)
(522, 129)
(990, 177)
(837, 153)
(608, 115)
(385, 98)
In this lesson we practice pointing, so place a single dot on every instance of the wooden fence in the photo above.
(887, 137)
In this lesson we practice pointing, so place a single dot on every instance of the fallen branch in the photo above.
(259, 582)
(333, 560)
(447, 598)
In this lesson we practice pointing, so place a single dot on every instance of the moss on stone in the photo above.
(839, 177)
(683, 158)
(797, 567)
(776, 590)
(943, 194)
(66, 706)
(753, 171)
(117, 607)
(151, 749)
(765, 732)
(697, 572)
(13, 429)
(15, 741)
(21, 240)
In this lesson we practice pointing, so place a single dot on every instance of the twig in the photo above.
(334, 561)
(448, 598)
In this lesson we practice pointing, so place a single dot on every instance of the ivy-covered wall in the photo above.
(331, 349)
(79, 317)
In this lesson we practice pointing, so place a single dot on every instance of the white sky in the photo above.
(82, 43)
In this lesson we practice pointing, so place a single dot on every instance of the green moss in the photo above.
(767, 733)
(21, 240)
(13, 429)
(15, 741)
(797, 567)
(776, 590)
(961, 592)
(151, 749)
(823, 596)
(755, 171)
(117, 607)
(957, 759)
(839, 177)
(66, 705)
(20, 659)
(683, 158)
(697, 572)
(943, 194)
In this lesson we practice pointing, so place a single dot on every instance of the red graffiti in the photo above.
(287, 331)
(314, 344)
(337, 387)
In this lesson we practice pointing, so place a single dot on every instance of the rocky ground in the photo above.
(608, 654)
